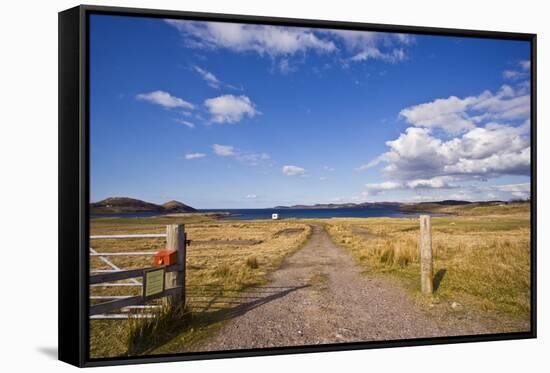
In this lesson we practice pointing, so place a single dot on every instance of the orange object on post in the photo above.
(165, 257)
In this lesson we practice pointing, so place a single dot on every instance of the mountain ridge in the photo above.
(113, 205)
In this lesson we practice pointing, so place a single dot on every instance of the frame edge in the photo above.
(70, 336)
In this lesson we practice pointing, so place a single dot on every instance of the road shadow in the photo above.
(439, 277)
(218, 305)
(242, 308)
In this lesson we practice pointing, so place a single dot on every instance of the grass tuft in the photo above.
(252, 262)
(144, 334)
(483, 261)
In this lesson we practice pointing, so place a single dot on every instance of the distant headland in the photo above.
(121, 205)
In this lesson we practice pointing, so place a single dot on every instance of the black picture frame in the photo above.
(74, 190)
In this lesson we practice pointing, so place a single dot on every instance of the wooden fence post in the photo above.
(175, 240)
(426, 260)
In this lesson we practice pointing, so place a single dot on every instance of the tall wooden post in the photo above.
(426, 258)
(175, 240)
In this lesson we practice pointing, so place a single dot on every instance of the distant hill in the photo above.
(117, 205)
(342, 205)
(449, 206)
(452, 202)
(177, 206)
(408, 207)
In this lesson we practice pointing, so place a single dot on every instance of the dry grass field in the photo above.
(481, 262)
(481, 255)
(224, 258)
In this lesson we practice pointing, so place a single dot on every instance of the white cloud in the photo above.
(185, 123)
(230, 109)
(223, 150)
(506, 104)
(522, 191)
(164, 99)
(210, 78)
(290, 170)
(456, 115)
(405, 38)
(376, 188)
(250, 158)
(264, 40)
(284, 42)
(285, 67)
(365, 45)
(525, 65)
(436, 182)
(448, 114)
(522, 71)
(488, 151)
(511, 74)
(455, 142)
(328, 168)
(471, 191)
(393, 56)
(190, 156)
(251, 196)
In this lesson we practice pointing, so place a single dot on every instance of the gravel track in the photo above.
(320, 296)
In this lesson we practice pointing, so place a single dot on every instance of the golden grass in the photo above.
(474, 209)
(249, 252)
(483, 261)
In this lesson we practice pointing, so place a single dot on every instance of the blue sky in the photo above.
(241, 116)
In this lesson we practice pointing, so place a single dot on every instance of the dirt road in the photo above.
(320, 296)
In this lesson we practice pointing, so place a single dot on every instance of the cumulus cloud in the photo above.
(448, 114)
(264, 40)
(223, 150)
(489, 151)
(230, 108)
(251, 196)
(164, 99)
(208, 77)
(376, 188)
(190, 156)
(456, 142)
(284, 42)
(290, 170)
(437, 182)
(456, 115)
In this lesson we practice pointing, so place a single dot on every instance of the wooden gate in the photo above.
(173, 276)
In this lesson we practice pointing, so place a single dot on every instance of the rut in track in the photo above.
(319, 296)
